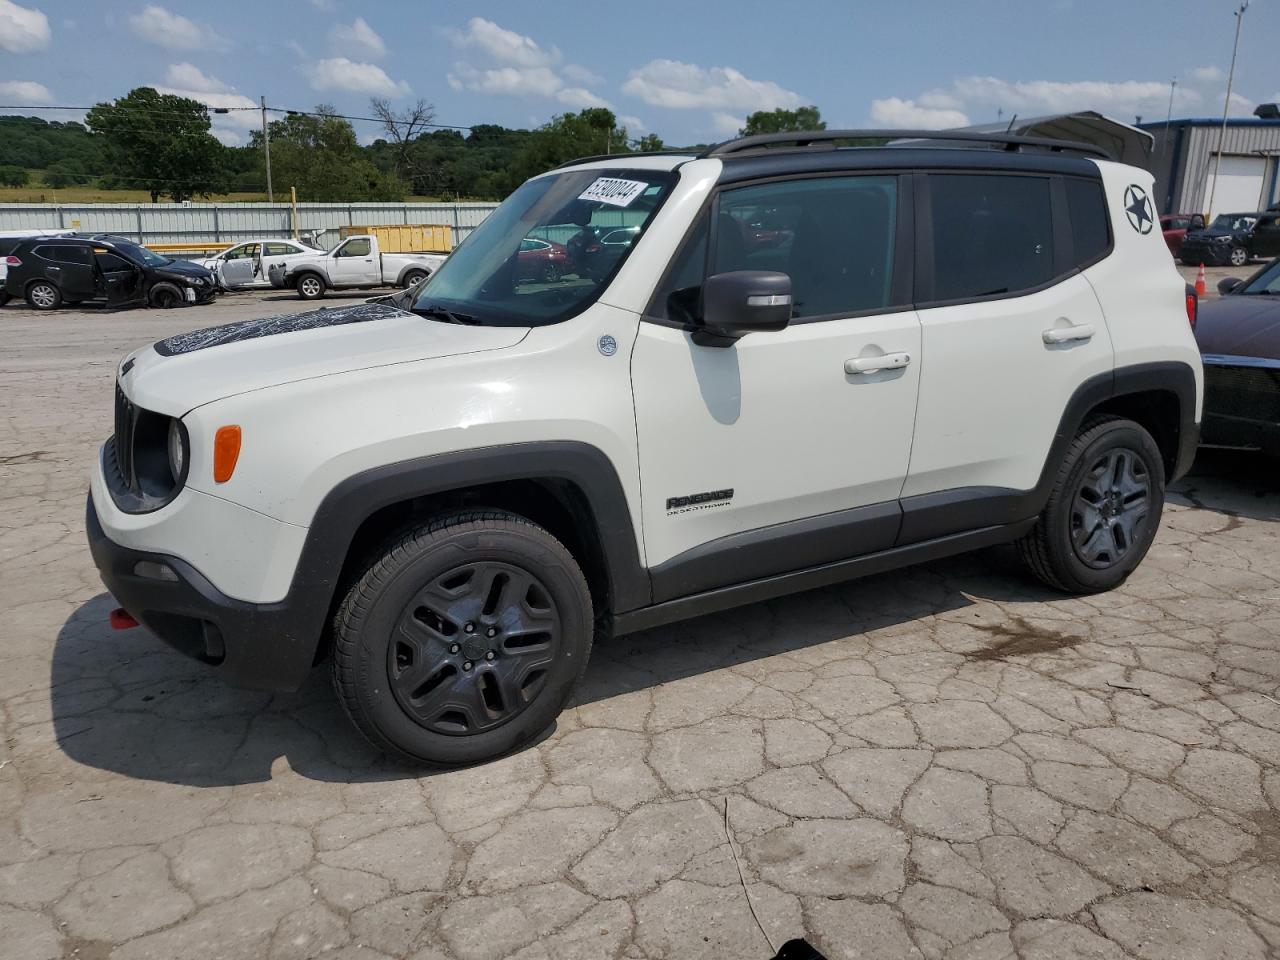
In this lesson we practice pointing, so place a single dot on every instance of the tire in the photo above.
(412, 277)
(1095, 529)
(43, 295)
(424, 688)
(550, 272)
(310, 286)
(4, 298)
(1239, 256)
(165, 296)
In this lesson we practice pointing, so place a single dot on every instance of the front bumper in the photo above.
(263, 646)
(1241, 403)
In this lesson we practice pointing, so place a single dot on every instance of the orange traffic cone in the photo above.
(1201, 287)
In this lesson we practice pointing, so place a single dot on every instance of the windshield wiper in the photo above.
(444, 313)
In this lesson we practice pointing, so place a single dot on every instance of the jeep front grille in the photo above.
(122, 440)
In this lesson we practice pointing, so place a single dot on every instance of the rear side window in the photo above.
(279, 249)
(67, 254)
(1090, 229)
(992, 235)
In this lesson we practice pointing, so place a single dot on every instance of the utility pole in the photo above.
(266, 146)
(1226, 106)
(1168, 118)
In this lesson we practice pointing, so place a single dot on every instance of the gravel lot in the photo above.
(944, 762)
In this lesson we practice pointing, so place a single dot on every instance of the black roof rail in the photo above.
(826, 138)
(625, 156)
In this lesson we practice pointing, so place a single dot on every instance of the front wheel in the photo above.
(310, 287)
(1103, 512)
(165, 296)
(1239, 256)
(464, 640)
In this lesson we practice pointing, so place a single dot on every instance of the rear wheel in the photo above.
(1103, 512)
(464, 640)
(43, 295)
(310, 287)
(413, 276)
(550, 272)
(1239, 256)
(4, 298)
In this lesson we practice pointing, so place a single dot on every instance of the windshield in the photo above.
(140, 254)
(547, 251)
(1265, 281)
(1232, 222)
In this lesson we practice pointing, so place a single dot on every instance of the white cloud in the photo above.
(633, 123)
(511, 64)
(358, 39)
(339, 73)
(24, 92)
(726, 123)
(229, 137)
(686, 86)
(505, 46)
(172, 31)
(187, 76)
(581, 97)
(1206, 74)
(22, 29)
(579, 74)
(896, 112)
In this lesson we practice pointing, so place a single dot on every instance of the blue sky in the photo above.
(689, 71)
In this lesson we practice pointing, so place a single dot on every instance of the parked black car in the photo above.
(1239, 337)
(1233, 238)
(51, 271)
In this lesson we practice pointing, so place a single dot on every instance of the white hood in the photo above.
(188, 370)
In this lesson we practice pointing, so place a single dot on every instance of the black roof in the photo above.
(828, 151)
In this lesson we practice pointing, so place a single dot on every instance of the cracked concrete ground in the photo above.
(943, 762)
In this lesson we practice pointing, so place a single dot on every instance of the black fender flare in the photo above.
(358, 497)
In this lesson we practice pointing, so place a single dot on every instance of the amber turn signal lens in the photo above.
(226, 451)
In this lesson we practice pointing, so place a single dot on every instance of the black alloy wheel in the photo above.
(472, 649)
(463, 639)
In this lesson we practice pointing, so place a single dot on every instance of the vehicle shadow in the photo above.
(1233, 483)
(292, 297)
(123, 701)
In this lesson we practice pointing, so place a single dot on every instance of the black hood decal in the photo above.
(270, 326)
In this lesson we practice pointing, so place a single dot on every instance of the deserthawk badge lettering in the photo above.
(699, 501)
(1137, 207)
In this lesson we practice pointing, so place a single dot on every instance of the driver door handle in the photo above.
(890, 361)
(1080, 331)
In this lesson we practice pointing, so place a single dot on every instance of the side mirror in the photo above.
(1228, 285)
(741, 302)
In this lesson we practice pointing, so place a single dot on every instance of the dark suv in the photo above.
(1233, 238)
(51, 271)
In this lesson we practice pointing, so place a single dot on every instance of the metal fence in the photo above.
(231, 222)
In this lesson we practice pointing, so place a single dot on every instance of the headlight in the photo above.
(1221, 239)
(177, 450)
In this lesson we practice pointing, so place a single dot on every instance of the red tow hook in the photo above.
(122, 619)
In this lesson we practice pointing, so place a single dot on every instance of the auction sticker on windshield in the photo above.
(610, 190)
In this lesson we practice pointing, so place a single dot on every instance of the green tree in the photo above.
(161, 143)
(649, 143)
(13, 177)
(319, 154)
(784, 121)
(593, 131)
(69, 173)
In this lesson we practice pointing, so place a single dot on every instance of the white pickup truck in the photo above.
(357, 262)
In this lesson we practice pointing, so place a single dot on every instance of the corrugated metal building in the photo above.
(1182, 160)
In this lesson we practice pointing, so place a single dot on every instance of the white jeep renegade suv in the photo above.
(803, 363)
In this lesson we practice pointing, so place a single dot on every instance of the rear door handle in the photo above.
(1080, 331)
(890, 361)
